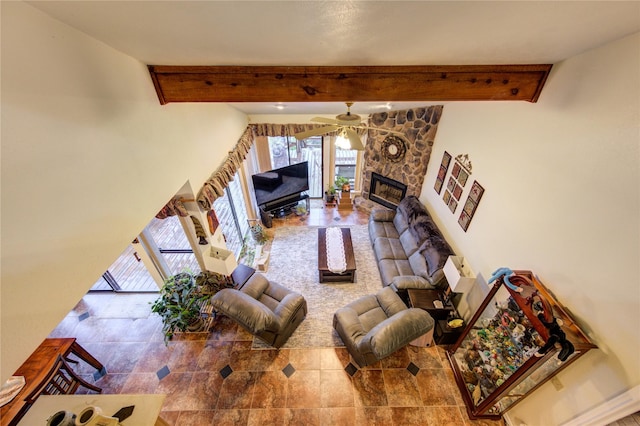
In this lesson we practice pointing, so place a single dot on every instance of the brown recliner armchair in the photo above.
(375, 326)
(266, 309)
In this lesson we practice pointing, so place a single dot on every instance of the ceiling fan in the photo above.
(345, 125)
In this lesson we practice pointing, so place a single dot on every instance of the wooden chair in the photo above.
(60, 380)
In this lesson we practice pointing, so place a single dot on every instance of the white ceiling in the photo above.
(347, 33)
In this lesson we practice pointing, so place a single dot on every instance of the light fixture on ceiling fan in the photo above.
(345, 125)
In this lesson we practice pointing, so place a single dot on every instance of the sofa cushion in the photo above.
(406, 282)
(388, 248)
(382, 229)
(400, 222)
(409, 243)
(391, 268)
(435, 251)
(419, 265)
(382, 215)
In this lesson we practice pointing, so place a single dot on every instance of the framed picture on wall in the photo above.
(462, 177)
(442, 172)
(453, 205)
(446, 197)
(451, 184)
(438, 185)
(476, 192)
(456, 170)
(457, 192)
(470, 206)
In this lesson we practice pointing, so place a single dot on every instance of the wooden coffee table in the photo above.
(324, 273)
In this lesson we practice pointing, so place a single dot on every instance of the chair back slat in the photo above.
(61, 380)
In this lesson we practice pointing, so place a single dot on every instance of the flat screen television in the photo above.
(281, 183)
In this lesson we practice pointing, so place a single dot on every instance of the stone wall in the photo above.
(419, 126)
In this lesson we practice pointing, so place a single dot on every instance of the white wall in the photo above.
(88, 158)
(562, 188)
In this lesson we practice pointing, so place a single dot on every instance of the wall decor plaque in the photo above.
(393, 148)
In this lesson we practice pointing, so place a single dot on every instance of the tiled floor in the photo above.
(217, 379)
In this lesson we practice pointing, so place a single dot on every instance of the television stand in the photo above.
(273, 208)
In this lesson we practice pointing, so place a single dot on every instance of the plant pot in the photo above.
(197, 324)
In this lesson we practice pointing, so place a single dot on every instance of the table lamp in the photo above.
(458, 274)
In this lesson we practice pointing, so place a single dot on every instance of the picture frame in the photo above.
(438, 185)
(457, 192)
(442, 172)
(451, 184)
(446, 197)
(470, 205)
(463, 177)
(476, 191)
(464, 220)
(453, 205)
(456, 170)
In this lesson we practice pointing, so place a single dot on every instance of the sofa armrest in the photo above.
(390, 302)
(255, 286)
(349, 321)
(289, 306)
(382, 215)
(245, 310)
(396, 332)
(406, 282)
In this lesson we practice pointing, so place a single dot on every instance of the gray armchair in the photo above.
(375, 326)
(266, 309)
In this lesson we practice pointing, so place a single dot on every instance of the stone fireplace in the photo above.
(385, 191)
(419, 126)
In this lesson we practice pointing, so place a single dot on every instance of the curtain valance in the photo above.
(214, 187)
(172, 208)
(269, 129)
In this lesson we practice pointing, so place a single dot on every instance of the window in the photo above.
(285, 151)
(232, 215)
(346, 160)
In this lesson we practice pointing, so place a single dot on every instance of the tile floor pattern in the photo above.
(217, 379)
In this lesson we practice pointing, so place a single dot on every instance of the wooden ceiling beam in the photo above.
(348, 83)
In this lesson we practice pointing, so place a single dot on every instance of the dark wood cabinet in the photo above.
(499, 357)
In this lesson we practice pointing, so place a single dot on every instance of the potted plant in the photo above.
(330, 194)
(179, 305)
(343, 183)
(301, 210)
(210, 283)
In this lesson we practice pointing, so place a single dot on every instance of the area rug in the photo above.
(294, 264)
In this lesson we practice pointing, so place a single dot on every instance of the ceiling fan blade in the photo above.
(354, 139)
(324, 120)
(315, 132)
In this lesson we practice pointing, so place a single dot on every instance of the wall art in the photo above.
(213, 221)
(442, 172)
(470, 206)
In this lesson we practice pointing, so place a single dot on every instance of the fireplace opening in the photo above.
(386, 191)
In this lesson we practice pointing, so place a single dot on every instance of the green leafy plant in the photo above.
(342, 183)
(210, 283)
(179, 305)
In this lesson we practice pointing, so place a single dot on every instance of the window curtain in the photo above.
(172, 208)
(219, 180)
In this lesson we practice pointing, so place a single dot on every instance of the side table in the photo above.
(445, 335)
(424, 299)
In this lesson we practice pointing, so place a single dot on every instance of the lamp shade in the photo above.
(458, 274)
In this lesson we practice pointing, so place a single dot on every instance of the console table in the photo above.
(35, 369)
